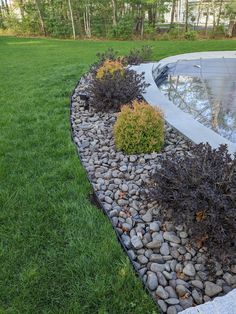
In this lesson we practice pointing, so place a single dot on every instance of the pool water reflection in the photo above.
(206, 89)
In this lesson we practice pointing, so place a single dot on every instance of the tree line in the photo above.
(108, 18)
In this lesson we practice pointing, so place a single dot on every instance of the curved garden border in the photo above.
(155, 278)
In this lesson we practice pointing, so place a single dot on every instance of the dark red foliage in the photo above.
(200, 191)
(115, 90)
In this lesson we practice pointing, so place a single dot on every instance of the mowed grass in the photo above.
(58, 253)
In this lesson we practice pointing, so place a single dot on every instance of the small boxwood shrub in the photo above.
(139, 129)
(190, 35)
(200, 191)
(114, 86)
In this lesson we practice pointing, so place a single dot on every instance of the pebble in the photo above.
(171, 237)
(147, 217)
(171, 292)
(154, 226)
(172, 301)
(126, 240)
(233, 269)
(164, 250)
(197, 284)
(136, 242)
(197, 296)
(124, 187)
(189, 270)
(211, 289)
(162, 293)
(171, 310)
(162, 305)
(155, 244)
(161, 279)
(183, 234)
(152, 281)
(186, 303)
(142, 259)
(108, 200)
(157, 267)
(181, 290)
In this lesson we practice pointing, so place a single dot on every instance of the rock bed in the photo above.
(176, 274)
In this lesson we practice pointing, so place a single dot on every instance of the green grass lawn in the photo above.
(58, 253)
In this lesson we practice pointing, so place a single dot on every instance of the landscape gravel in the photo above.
(172, 269)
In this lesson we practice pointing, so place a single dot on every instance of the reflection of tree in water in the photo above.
(213, 103)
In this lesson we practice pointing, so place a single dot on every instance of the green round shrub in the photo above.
(139, 129)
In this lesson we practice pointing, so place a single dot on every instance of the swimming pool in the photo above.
(206, 89)
(197, 93)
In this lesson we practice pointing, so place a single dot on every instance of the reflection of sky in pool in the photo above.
(205, 88)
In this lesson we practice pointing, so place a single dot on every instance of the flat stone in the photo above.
(124, 187)
(157, 258)
(113, 213)
(186, 302)
(164, 250)
(197, 296)
(123, 168)
(132, 158)
(162, 305)
(179, 268)
(152, 281)
(189, 270)
(160, 292)
(157, 267)
(171, 237)
(171, 310)
(161, 279)
(154, 226)
(181, 290)
(136, 242)
(131, 254)
(142, 271)
(126, 226)
(168, 275)
(155, 244)
(211, 289)
(126, 240)
(171, 292)
(228, 278)
(197, 283)
(108, 200)
(172, 301)
(233, 269)
(183, 234)
(147, 217)
(142, 259)
(203, 275)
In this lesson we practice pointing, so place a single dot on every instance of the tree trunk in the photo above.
(72, 19)
(232, 25)
(172, 18)
(40, 18)
(214, 14)
(114, 15)
(186, 16)
(207, 17)
(87, 26)
(199, 11)
(219, 13)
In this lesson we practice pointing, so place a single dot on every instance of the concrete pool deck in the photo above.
(180, 120)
